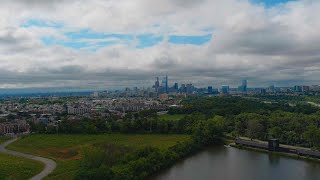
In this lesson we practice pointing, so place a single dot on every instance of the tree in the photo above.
(312, 135)
(240, 127)
(255, 128)
(275, 132)
(210, 131)
(92, 158)
(251, 124)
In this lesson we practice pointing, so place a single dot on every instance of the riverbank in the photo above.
(290, 155)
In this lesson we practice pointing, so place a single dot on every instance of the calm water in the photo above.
(228, 163)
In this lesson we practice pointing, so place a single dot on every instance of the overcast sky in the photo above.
(102, 44)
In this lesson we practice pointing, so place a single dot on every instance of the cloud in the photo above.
(108, 44)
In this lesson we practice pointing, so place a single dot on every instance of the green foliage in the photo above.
(68, 150)
(230, 106)
(13, 167)
(209, 131)
(312, 135)
(3, 139)
(171, 117)
(140, 163)
(92, 158)
(146, 161)
(275, 132)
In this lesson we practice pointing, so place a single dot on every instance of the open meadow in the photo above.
(17, 168)
(67, 150)
(3, 139)
(172, 117)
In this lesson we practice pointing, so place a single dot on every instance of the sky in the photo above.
(108, 44)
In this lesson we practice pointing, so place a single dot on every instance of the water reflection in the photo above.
(274, 160)
(228, 163)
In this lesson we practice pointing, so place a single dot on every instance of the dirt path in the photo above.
(50, 165)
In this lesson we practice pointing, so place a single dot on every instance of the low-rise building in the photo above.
(20, 126)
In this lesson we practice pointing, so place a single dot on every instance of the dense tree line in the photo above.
(117, 163)
(141, 122)
(228, 106)
(290, 128)
(292, 124)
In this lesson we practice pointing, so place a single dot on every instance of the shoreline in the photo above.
(289, 155)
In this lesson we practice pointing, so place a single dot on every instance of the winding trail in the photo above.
(50, 165)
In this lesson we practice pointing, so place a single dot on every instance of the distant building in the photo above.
(189, 88)
(263, 91)
(78, 110)
(127, 89)
(297, 88)
(315, 88)
(165, 84)
(95, 94)
(157, 85)
(225, 89)
(243, 87)
(271, 88)
(305, 88)
(163, 97)
(210, 90)
(183, 88)
(176, 86)
(16, 127)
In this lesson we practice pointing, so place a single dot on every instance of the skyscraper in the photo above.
(189, 88)
(305, 88)
(183, 88)
(176, 86)
(167, 88)
(225, 89)
(244, 85)
(157, 85)
(272, 88)
(210, 90)
(165, 84)
(298, 88)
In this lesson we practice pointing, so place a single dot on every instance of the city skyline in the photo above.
(165, 82)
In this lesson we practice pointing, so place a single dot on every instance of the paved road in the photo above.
(50, 165)
(314, 104)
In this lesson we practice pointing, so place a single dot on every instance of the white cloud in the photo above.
(266, 45)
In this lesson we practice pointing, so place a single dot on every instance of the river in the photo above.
(229, 163)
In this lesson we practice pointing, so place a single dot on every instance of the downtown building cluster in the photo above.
(163, 87)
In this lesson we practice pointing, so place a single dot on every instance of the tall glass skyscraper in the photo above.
(167, 88)
(225, 89)
(157, 85)
(176, 86)
(165, 84)
(244, 85)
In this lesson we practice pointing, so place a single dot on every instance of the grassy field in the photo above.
(66, 150)
(3, 139)
(12, 167)
(174, 117)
